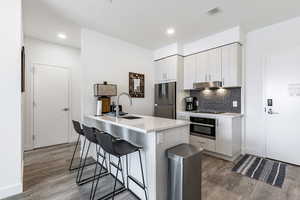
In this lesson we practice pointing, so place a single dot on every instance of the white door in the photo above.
(282, 121)
(51, 105)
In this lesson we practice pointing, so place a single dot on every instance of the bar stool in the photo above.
(79, 131)
(89, 134)
(118, 148)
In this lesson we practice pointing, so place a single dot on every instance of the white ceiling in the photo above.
(144, 22)
(41, 22)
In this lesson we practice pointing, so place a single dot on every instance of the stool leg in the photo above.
(143, 175)
(70, 168)
(101, 167)
(127, 171)
(116, 178)
(121, 168)
(83, 166)
(81, 156)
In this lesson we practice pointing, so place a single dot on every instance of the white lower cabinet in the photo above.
(228, 135)
(224, 136)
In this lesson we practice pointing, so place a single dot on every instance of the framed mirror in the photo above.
(136, 85)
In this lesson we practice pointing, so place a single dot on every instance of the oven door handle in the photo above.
(201, 124)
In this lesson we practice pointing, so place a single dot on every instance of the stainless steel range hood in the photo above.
(202, 85)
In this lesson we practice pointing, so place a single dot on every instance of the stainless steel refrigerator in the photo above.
(165, 100)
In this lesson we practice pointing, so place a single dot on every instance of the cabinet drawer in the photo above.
(207, 144)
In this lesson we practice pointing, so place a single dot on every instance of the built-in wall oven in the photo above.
(203, 127)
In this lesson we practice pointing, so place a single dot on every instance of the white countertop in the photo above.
(146, 124)
(231, 115)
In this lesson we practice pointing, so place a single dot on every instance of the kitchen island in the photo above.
(155, 135)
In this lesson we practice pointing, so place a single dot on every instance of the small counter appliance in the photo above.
(190, 103)
(103, 92)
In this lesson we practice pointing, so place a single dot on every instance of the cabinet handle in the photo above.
(205, 77)
(223, 81)
(209, 77)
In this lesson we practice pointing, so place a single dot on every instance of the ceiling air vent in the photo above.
(213, 11)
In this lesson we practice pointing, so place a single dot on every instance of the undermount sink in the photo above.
(131, 117)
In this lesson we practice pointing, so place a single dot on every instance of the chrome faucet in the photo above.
(118, 102)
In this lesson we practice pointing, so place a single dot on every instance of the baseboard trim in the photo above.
(11, 190)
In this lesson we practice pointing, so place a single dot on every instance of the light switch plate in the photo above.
(234, 104)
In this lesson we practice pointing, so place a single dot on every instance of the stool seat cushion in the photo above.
(122, 147)
(90, 133)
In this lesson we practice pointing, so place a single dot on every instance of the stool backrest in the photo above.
(89, 133)
(77, 127)
(106, 141)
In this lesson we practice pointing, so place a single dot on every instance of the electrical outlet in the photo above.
(234, 104)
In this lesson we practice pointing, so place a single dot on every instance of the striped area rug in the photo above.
(268, 171)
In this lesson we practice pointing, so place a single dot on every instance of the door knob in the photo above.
(155, 105)
(65, 109)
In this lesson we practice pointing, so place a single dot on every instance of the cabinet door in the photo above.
(224, 136)
(158, 71)
(231, 66)
(189, 71)
(214, 65)
(171, 68)
(166, 70)
(202, 67)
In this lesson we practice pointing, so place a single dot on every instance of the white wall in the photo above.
(109, 59)
(226, 37)
(259, 44)
(222, 38)
(10, 101)
(41, 52)
(169, 50)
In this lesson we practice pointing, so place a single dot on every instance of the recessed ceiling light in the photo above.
(170, 31)
(62, 36)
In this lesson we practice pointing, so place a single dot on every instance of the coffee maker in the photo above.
(190, 103)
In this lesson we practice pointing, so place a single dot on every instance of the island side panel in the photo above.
(147, 141)
(164, 140)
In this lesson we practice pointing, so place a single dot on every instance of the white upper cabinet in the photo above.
(231, 66)
(220, 64)
(201, 67)
(214, 67)
(166, 69)
(189, 72)
(208, 66)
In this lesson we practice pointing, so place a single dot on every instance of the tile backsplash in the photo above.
(218, 99)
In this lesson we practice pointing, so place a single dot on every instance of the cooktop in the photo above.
(208, 111)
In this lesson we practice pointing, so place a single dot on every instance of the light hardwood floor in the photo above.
(46, 177)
